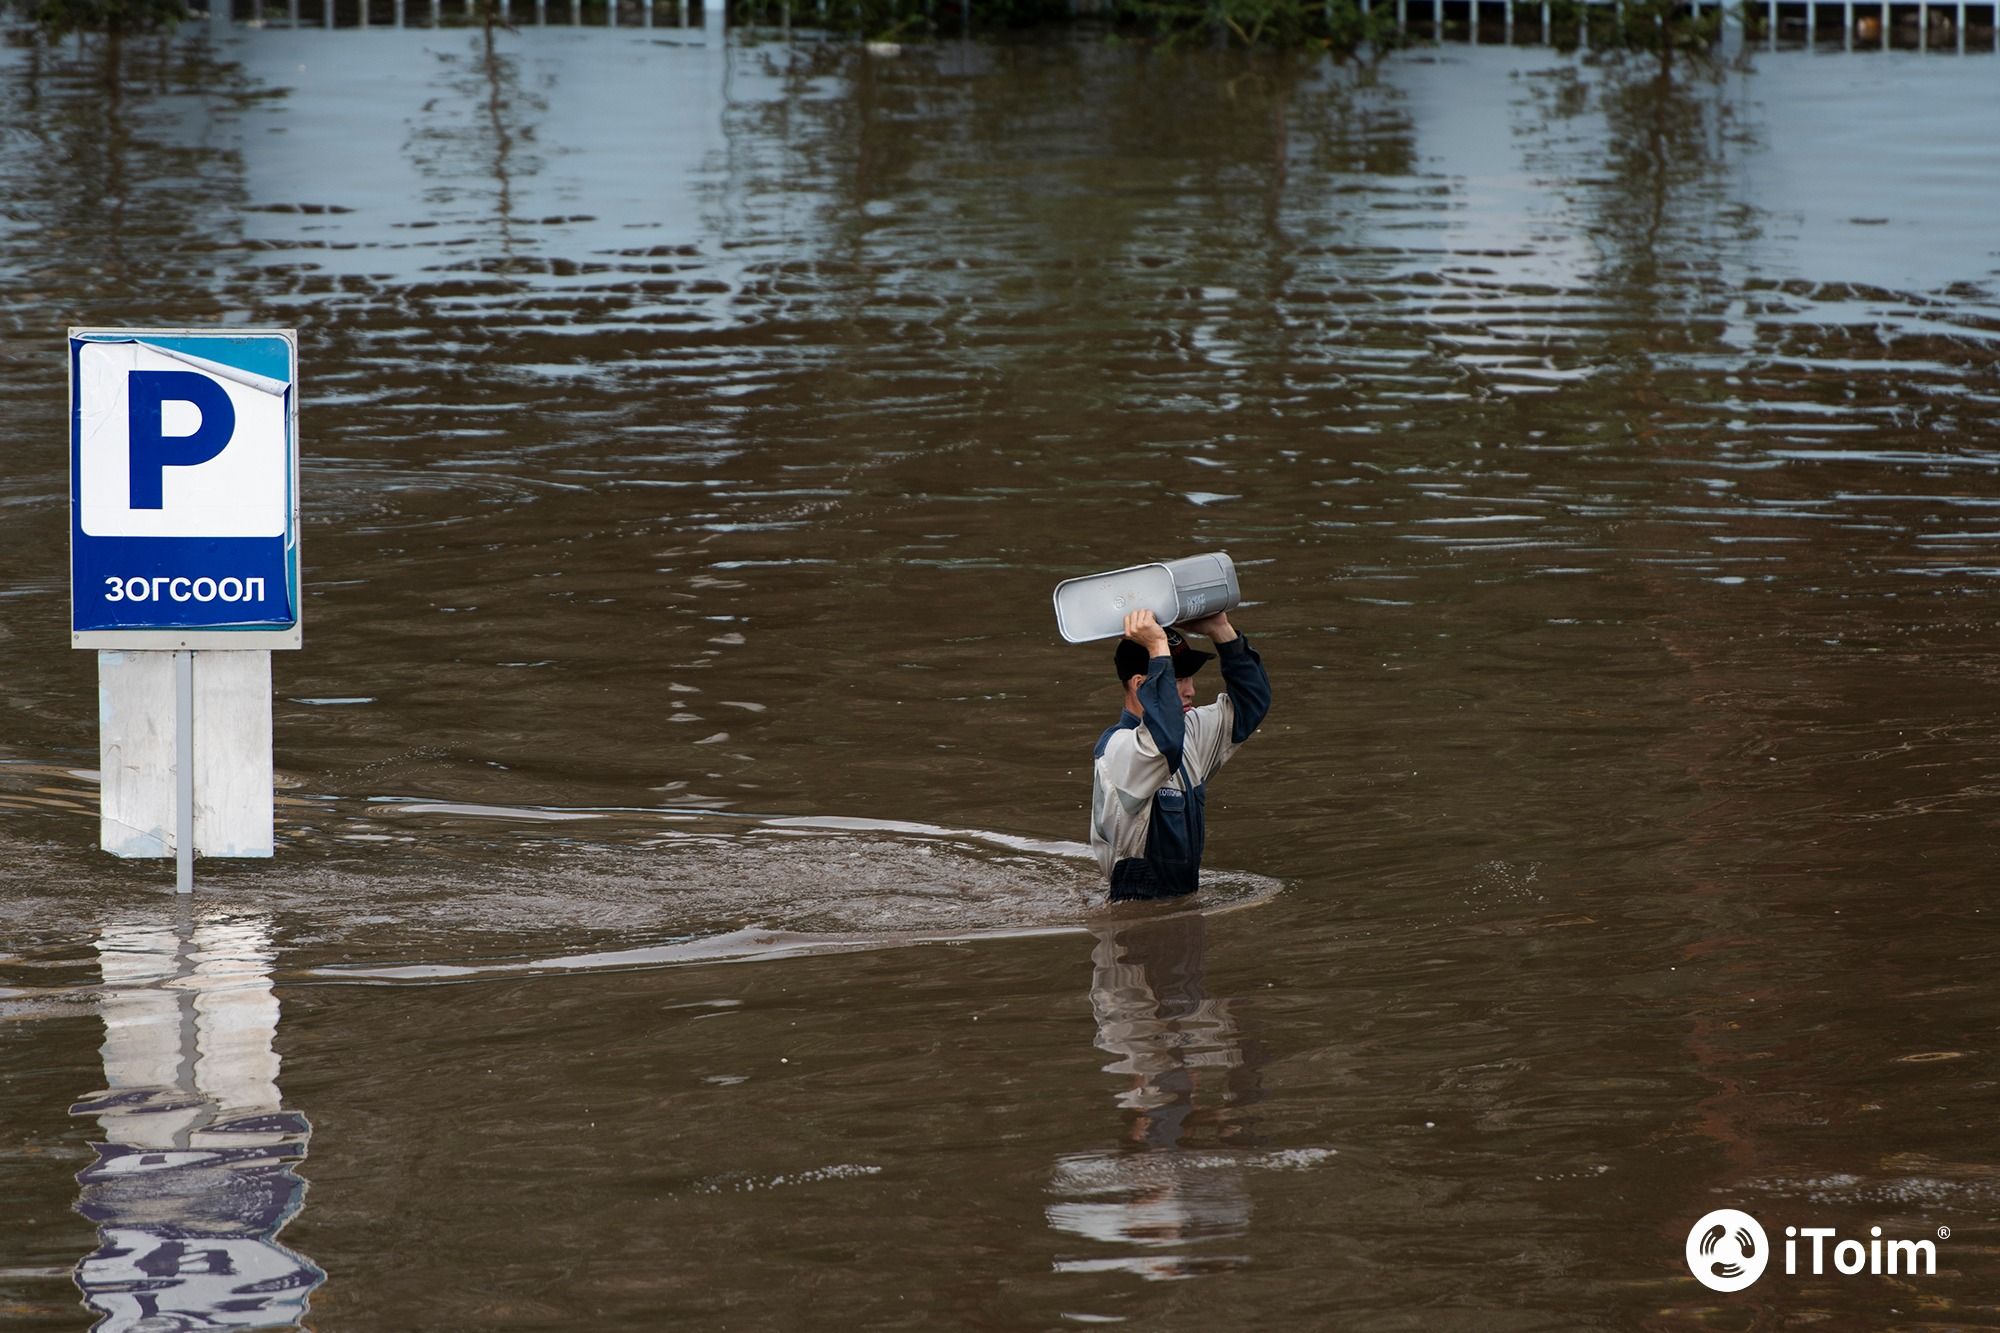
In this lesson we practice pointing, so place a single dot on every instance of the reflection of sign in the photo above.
(195, 1177)
(183, 488)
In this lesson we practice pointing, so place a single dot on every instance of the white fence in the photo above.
(1851, 24)
(694, 16)
(1919, 25)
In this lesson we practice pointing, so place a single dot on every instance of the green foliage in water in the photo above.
(890, 20)
(1664, 28)
(56, 19)
(1339, 26)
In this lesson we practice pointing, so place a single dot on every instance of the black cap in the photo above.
(1133, 659)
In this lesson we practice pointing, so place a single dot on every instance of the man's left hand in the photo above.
(1216, 627)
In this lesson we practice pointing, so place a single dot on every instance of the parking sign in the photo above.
(184, 508)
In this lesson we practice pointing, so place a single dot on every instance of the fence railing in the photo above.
(692, 15)
(1917, 25)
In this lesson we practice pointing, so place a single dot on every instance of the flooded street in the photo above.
(681, 916)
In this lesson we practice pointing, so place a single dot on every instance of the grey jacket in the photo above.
(1150, 776)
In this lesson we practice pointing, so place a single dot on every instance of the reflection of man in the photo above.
(1149, 781)
(1188, 1078)
(194, 1179)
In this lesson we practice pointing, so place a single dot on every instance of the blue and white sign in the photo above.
(184, 510)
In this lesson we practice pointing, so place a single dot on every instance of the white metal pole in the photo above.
(184, 771)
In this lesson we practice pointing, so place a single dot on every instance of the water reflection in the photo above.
(195, 1177)
(466, 142)
(147, 139)
(1160, 1203)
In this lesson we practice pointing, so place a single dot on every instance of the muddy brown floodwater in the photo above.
(678, 917)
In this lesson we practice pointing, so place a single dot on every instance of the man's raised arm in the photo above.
(1159, 697)
(1242, 675)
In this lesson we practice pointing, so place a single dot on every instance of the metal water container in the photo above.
(1095, 606)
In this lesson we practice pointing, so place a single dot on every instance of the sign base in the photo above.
(138, 710)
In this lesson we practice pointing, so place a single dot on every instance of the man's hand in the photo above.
(1143, 629)
(1216, 627)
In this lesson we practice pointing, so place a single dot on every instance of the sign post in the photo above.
(184, 575)
(183, 772)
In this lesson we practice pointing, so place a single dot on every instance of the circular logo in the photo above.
(1726, 1250)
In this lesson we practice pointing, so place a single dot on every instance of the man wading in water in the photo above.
(1150, 782)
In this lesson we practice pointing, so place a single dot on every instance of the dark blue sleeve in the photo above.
(1249, 688)
(1162, 700)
